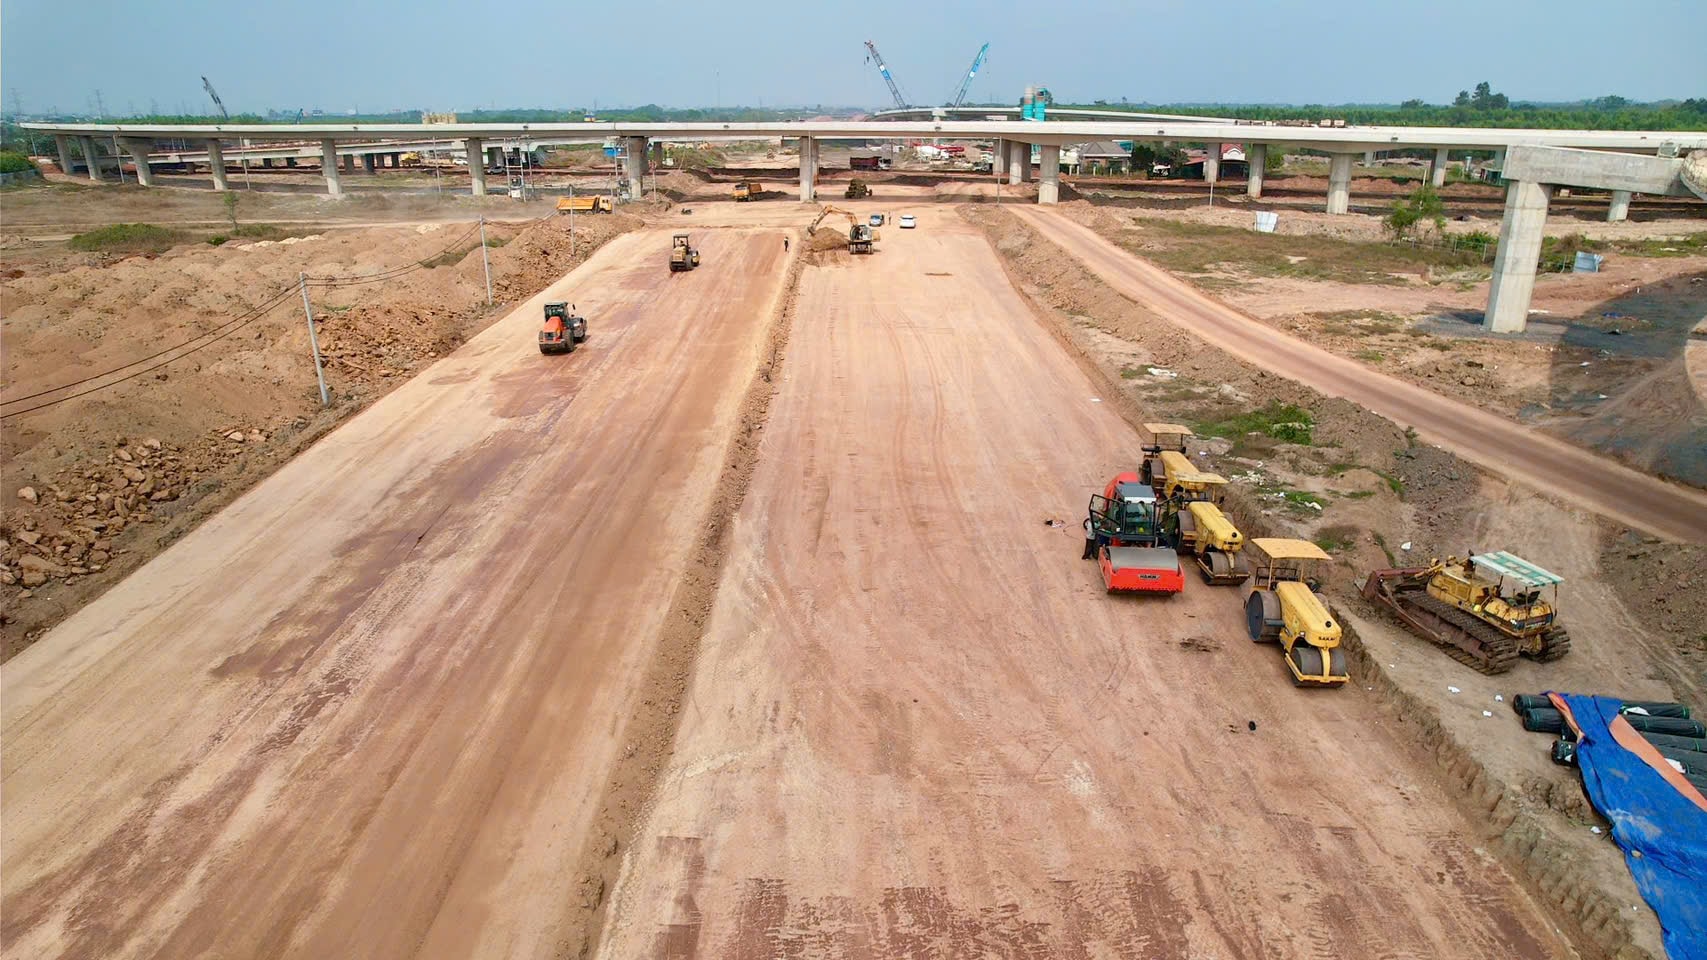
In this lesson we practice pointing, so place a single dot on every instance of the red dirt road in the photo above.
(1572, 474)
(918, 727)
(370, 708)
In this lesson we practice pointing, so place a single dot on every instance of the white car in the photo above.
(907, 221)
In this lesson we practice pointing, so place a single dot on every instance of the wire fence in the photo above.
(126, 372)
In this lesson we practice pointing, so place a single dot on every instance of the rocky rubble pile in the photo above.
(71, 525)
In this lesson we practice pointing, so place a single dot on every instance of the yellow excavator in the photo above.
(861, 237)
(1203, 530)
(1284, 608)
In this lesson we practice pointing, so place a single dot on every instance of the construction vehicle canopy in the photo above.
(1285, 548)
(1168, 434)
(1181, 475)
(1501, 563)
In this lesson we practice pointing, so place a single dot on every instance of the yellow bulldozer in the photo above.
(1284, 608)
(1484, 610)
(857, 190)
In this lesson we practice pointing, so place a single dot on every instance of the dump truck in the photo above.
(868, 163)
(1134, 552)
(748, 190)
(857, 190)
(1485, 610)
(683, 255)
(564, 330)
(1283, 607)
(588, 203)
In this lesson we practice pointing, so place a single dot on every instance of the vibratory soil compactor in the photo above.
(683, 255)
(1284, 608)
(563, 330)
(1133, 548)
(1193, 497)
(1485, 610)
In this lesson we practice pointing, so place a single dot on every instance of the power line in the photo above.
(279, 299)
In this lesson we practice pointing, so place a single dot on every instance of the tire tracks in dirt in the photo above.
(649, 732)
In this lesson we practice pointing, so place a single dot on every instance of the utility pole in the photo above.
(314, 341)
(485, 261)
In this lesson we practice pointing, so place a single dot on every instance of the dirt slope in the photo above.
(370, 708)
(1575, 475)
(919, 727)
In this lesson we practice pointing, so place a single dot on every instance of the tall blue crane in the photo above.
(894, 91)
(966, 84)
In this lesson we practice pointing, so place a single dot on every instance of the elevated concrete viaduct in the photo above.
(1342, 143)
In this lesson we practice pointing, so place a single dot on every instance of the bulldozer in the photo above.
(1134, 551)
(1284, 608)
(1485, 610)
(861, 236)
(564, 330)
(857, 190)
(683, 255)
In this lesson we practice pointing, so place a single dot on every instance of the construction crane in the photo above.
(894, 91)
(206, 85)
(966, 84)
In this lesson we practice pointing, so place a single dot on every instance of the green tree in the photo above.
(1423, 205)
(1462, 100)
(1411, 105)
(229, 198)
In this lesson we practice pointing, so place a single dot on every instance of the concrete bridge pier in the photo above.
(92, 158)
(329, 166)
(138, 150)
(1019, 162)
(1339, 182)
(1212, 163)
(64, 146)
(808, 169)
(1437, 169)
(634, 166)
(349, 163)
(1619, 211)
(657, 148)
(1049, 174)
(1258, 157)
(216, 166)
(999, 157)
(1518, 253)
(476, 164)
(367, 164)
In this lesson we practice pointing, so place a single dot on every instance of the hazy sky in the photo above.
(359, 54)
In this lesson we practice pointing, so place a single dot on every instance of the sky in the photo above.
(340, 55)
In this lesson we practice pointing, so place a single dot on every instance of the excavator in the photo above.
(1484, 610)
(1283, 608)
(1192, 496)
(861, 237)
(1133, 549)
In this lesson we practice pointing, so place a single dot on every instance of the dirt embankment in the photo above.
(97, 484)
(1365, 491)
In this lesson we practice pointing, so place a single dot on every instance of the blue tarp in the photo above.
(1662, 832)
